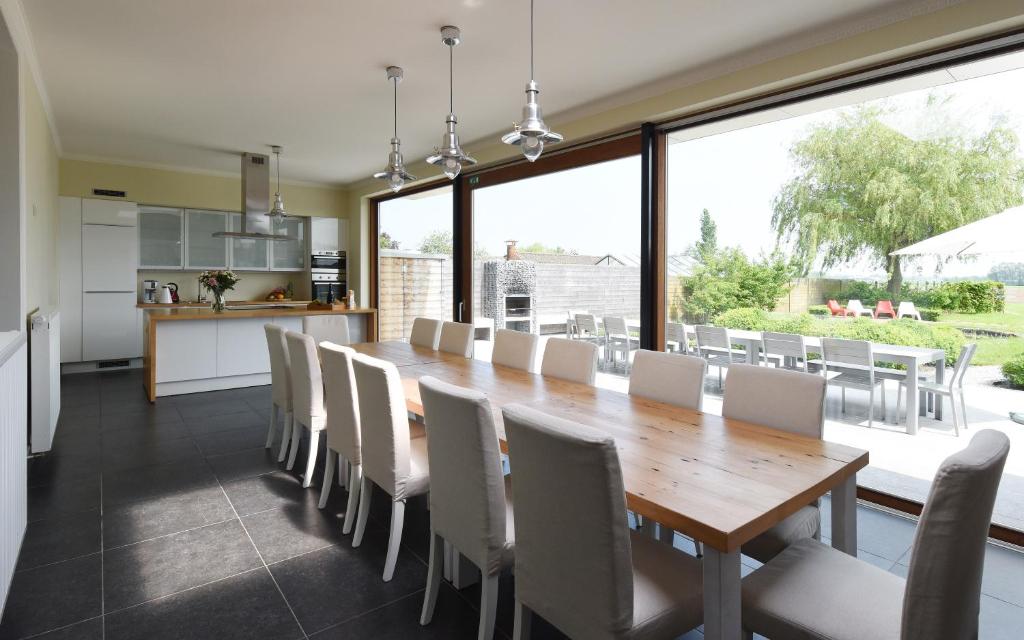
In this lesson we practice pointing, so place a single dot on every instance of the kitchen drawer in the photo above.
(109, 326)
(110, 212)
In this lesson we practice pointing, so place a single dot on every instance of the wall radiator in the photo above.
(13, 445)
(44, 385)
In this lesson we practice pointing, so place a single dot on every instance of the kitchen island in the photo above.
(192, 349)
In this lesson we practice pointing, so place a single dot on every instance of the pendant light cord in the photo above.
(278, 154)
(395, 112)
(531, 40)
(451, 79)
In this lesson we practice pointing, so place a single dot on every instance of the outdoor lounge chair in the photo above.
(908, 310)
(884, 308)
(835, 308)
(855, 308)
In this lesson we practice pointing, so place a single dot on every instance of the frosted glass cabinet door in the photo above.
(203, 251)
(289, 255)
(247, 254)
(160, 245)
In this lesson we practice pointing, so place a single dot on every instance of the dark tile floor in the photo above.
(172, 521)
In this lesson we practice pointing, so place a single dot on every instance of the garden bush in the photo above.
(868, 293)
(931, 315)
(967, 296)
(1013, 369)
(729, 280)
(818, 310)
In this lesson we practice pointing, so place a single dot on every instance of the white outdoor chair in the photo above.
(327, 328)
(516, 349)
(470, 500)
(813, 591)
(280, 387)
(391, 459)
(308, 410)
(457, 338)
(854, 362)
(856, 308)
(426, 332)
(954, 388)
(787, 350)
(908, 310)
(675, 337)
(586, 328)
(578, 565)
(343, 430)
(713, 345)
(790, 401)
(571, 360)
(618, 341)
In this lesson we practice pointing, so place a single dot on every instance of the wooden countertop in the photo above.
(206, 313)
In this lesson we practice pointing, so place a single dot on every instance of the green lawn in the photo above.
(993, 350)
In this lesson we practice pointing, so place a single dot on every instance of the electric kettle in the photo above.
(165, 295)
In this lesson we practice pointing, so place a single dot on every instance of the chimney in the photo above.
(510, 250)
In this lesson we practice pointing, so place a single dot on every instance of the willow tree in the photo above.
(863, 187)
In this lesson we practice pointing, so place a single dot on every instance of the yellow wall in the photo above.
(184, 189)
(41, 178)
(252, 285)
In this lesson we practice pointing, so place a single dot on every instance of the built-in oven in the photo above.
(328, 275)
(327, 260)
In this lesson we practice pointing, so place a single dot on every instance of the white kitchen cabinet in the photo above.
(186, 351)
(69, 270)
(235, 353)
(161, 231)
(109, 326)
(323, 234)
(247, 254)
(109, 258)
(202, 250)
(289, 255)
(109, 212)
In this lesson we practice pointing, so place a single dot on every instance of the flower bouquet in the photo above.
(217, 282)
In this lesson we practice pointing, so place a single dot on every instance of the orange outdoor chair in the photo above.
(884, 308)
(835, 308)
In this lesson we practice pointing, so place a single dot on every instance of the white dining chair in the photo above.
(787, 350)
(572, 360)
(618, 341)
(675, 337)
(329, 328)
(516, 349)
(280, 388)
(457, 338)
(813, 591)
(308, 410)
(907, 309)
(470, 502)
(671, 378)
(953, 388)
(790, 401)
(714, 345)
(426, 332)
(577, 564)
(343, 428)
(853, 363)
(391, 459)
(856, 308)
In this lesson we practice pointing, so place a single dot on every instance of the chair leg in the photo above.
(355, 478)
(488, 605)
(286, 433)
(842, 406)
(521, 624)
(395, 539)
(325, 490)
(434, 570)
(666, 534)
(314, 447)
(294, 450)
(343, 471)
(871, 408)
(365, 495)
(883, 400)
(952, 409)
(899, 399)
(698, 547)
(963, 409)
(274, 410)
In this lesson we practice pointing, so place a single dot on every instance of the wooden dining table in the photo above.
(722, 482)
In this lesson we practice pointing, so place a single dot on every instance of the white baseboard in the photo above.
(211, 384)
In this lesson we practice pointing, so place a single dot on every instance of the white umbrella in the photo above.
(999, 233)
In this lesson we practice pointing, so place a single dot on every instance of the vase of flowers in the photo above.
(217, 282)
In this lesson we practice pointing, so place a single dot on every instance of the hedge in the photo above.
(1013, 369)
(967, 296)
(818, 310)
(906, 332)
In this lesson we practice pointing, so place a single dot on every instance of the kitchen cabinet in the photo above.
(110, 326)
(247, 254)
(69, 269)
(160, 238)
(323, 234)
(289, 255)
(202, 250)
(109, 258)
(109, 212)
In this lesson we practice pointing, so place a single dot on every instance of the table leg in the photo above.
(940, 373)
(844, 516)
(912, 399)
(753, 351)
(722, 610)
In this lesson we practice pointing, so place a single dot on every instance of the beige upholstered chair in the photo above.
(327, 328)
(573, 360)
(790, 401)
(426, 332)
(308, 410)
(577, 563)
(470, 508)
(668, 377)
(457, 338)
(343, 431)
(813, 591)
(280, 387)
(391, 459)
(516, 349)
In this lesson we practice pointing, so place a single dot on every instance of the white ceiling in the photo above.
(190, 83)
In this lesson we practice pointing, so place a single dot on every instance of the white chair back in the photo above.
(790, 401)
(787, 345)
(671, 378)
(341, 401)
(327, 328)
(712, 338)
(839, 351)
(307, 381)
(457, 338)
(280, 367)
(960, 367)
(571, 360)
(854, 306)
(907, 308)
(426, 332)
(676, 332)
(384, 424)
(615, 327)
(586, 325)
(516, 349)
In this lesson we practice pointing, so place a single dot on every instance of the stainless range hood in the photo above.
(255, 201)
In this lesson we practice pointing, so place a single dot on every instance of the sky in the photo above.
(595, 210)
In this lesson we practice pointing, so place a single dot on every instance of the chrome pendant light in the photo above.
(277, 212)
(449, 156)
(395, 175)
(531, 134)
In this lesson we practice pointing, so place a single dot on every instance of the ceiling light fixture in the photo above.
(395, 175)
(449, 156)
(277, 212)
(531, 134)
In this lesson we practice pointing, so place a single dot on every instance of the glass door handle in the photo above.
(460, 311)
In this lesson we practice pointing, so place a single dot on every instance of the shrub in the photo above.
(744, 318)
(965, 296)
(729, 280)
(868, 293)
(931, 315)
(818, 310)
(1013, 369)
